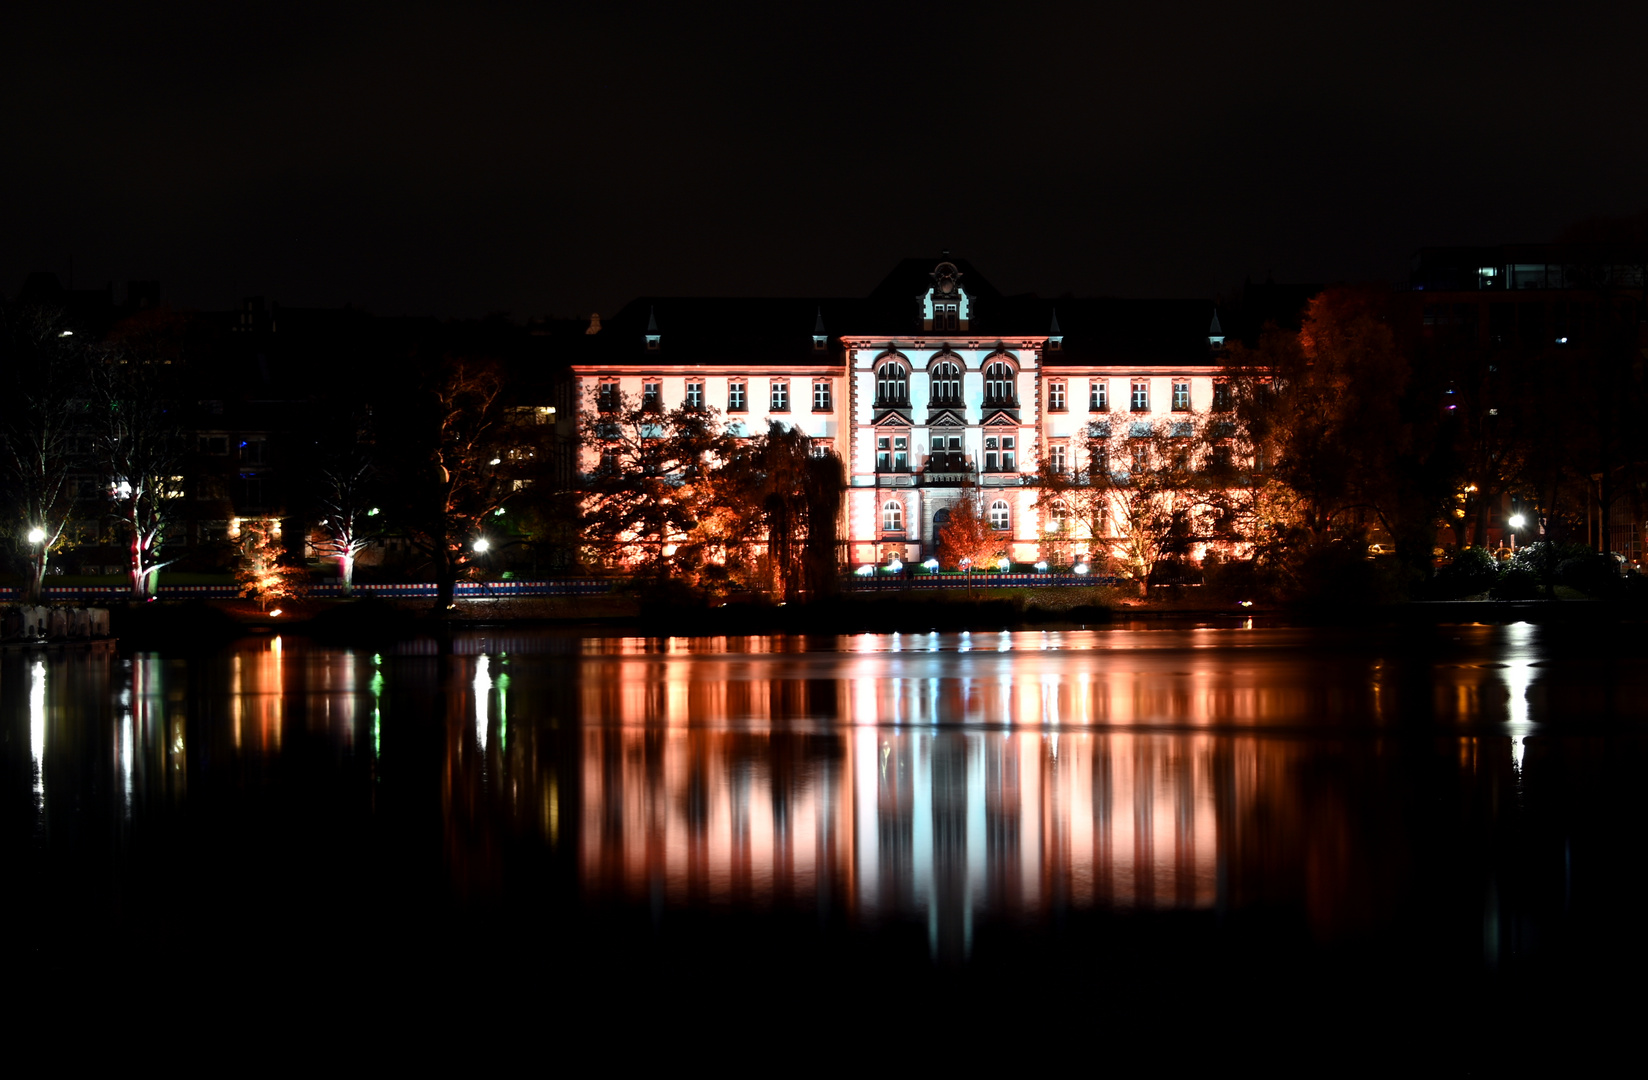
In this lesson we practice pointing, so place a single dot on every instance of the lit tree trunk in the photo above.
(346, 572)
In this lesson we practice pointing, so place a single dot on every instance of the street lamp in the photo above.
(37, 535)
(1516, 521)
(480, 546)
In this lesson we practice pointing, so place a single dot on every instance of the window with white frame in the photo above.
(1222, 399)
(821, 395)
(651, 395)
(695, 395)
(946, 383)
(1056, 458)
(1141, 395)
(735, 396)
(1055, 395)
(780, 397)
(1098, 396)
(884, 453)
(1000, 517)
(998, 385)
(1181, 395)
(892, 384)
(606, 397)
(892, 516)
(999, 453)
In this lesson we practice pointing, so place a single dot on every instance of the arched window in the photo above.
(946, 383)
(941, 518)
(998, 385)
(998, 515)
(892, 516)
(892, 384)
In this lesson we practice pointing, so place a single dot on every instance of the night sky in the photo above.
(459, 159)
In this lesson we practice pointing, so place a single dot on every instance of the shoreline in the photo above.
(212, 623)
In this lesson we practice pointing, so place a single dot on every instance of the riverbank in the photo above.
(211, 623)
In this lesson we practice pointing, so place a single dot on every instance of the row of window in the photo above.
(893, 452)
(944, 385)
(892, 516)
(1098, 395)
(893, 389)
(737, 396)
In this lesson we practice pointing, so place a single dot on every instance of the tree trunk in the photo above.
(37, 575)
(346, 573)
(446, 580)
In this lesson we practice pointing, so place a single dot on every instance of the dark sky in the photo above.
(457, 159)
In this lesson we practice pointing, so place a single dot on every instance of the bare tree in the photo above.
(348, 515)
(139, 441)
(42, 399)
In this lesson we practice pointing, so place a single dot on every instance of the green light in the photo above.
(377, 658)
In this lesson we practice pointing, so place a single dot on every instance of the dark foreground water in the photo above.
(1246, 844)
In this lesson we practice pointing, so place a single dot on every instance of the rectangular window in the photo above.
(1055, 458)
(1008, 463)
(823, 447)
(606, 398)
(695, 395)
(946, 317)
(1098, 396)
(1141, 396)
(1181, 396)
(651, 396)
(992, 455)
(1221, 396)
(883, 454)
(780, 397)
(901, 453)
(735, 397)
(821, 396)
(1055, 397)
(214, 444)
(254, 452)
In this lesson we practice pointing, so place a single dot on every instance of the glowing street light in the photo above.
(1080, 568)
(931, 565)
(1041, 567)
(37, 535)
(896, 566)
(1515, 521)
(480, 546)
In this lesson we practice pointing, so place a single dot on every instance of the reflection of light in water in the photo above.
(37, 730)
(377, 711)
(1519, 677)
(483, 693)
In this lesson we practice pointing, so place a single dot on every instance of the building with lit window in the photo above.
(932, 387)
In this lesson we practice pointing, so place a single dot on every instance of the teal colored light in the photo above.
(377, 658)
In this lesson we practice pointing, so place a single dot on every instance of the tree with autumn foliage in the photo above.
(648, 491)
(966, 541)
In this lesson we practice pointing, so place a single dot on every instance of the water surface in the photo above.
(1092, 815)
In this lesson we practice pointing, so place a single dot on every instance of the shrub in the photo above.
(1472, 571)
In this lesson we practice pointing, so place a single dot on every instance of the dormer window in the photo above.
(946, 316)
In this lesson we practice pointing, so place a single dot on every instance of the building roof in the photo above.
(721, 331)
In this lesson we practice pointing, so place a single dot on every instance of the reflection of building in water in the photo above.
(936, 822)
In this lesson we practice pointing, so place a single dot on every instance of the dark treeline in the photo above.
(1374, 445)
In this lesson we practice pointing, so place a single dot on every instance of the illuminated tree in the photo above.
(260, 573)
(650, 487)
(966, 541)
(138, 438)
(42, 408)
(349, 516)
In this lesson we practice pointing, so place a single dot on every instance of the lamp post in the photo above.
(37, 576)
(1515, 521)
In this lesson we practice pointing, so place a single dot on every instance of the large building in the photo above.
(933, 385)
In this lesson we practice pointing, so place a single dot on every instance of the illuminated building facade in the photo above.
(933, 386)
